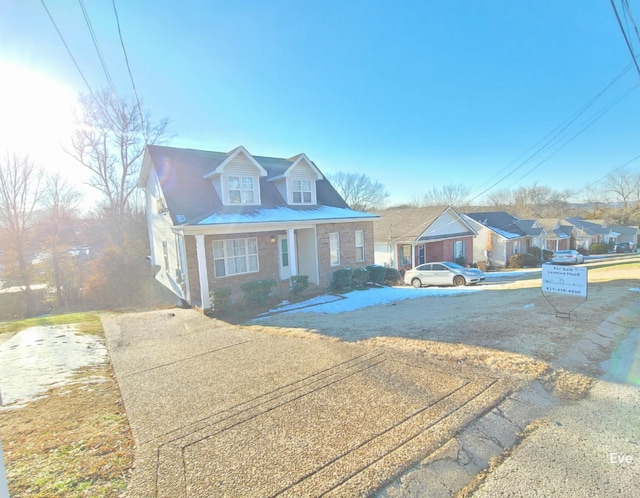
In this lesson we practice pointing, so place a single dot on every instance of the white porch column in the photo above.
(202, 272)
(293, 252)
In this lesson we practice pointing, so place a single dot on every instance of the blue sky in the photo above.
(416, 94)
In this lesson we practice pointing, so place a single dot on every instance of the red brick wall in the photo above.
(268, 258)
(346, 232)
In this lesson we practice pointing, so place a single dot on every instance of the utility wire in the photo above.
(97, 47)
(135, 92)
(69, 51)
(552, 137)
(626, 39)
(585, 126)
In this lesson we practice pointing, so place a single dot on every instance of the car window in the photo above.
(439, 267)
(423, 267)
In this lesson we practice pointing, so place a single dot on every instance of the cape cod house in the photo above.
(406, 237)
(219, 219)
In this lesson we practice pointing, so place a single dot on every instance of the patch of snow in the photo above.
(22, 288)
(38, 358)
(356, 300)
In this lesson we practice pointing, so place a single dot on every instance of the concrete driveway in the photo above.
(221, 410)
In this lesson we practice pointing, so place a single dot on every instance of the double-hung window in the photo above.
(359, 245)
(235, 256)
(241, 190)
(301, 191)
(459, 249)
(334, 249)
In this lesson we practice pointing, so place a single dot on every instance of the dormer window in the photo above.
(241, 190)
(301, 191)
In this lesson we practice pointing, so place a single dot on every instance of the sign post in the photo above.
(567, 281)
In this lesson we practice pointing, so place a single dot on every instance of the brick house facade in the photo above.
(222, 219)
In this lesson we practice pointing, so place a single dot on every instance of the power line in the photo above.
(549, 139)
(69, 51)
(626, 38)
(135, 92)
(97, 46)
(586, 125)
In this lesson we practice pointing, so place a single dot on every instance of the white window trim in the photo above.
(312, 191)
(226, 257)
(358, 258)
(255, 180)
(334, 236)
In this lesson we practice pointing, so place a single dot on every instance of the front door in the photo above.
(283, 255)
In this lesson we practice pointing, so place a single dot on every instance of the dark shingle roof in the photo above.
(500, 221)
(191, 198)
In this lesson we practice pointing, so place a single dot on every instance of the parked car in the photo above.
(625, 247)
(442, 273)
(568, 257)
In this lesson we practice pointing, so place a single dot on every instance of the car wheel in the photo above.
(458, 280)
(416, 283)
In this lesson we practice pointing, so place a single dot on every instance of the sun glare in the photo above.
(36, 114)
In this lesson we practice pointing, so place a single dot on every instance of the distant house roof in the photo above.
(529, 227)
(192, 199)
(410, 223)
(588, 227)
(556, 227)
(628, 231)
(503, 223)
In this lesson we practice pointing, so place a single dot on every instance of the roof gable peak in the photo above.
(231, 155)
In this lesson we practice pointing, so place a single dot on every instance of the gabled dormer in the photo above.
(297, 184)
(237, 179)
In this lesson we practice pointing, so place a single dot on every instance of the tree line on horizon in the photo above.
(98, 260)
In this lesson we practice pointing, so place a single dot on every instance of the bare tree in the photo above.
(535, 201)
(447, 195)
(60, 201)
(109, 140)
(20, 192)
(359, 191)
(624, 187)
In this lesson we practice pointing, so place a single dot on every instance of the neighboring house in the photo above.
(626, 233)
(559, 235)
(501, 235)
(220, 219)
(590, 232)
(407, 237)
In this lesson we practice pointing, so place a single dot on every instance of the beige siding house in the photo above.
(407, 237)
(220, 219)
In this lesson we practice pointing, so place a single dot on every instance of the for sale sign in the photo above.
(567, 280)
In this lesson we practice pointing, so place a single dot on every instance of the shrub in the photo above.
(392, 276)
(220, 300)
(298, 283)
(599, 248)
(256, 292)
(535, 252)
(377, 273)
(515, 261)
(342, 278)
(360, 277)
(546, 255)
(461, 260)
(583, 251)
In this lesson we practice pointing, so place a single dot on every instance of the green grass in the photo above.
(88, 323)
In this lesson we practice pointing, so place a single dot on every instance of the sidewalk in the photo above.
(586, 448)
